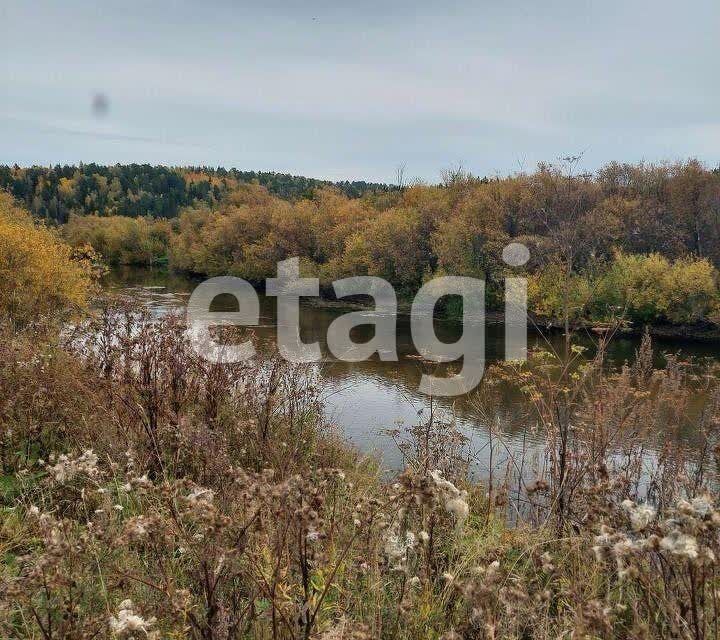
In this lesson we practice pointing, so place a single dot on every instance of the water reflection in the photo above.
(364, 398)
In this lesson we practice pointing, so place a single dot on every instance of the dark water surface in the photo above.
(365, 398)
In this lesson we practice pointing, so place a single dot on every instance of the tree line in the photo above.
(55, 193)
(639, 241)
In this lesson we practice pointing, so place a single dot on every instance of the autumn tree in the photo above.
(39, 278)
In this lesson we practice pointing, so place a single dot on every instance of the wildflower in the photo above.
(605, 533)
(200, 495)
(651, 543)
(547, 563)
(143, 482)
(680, 544)
(127, 622)
(68, 466)
(118, 507)
(396, 547)
(88, 460)
(702, 506)
(709, 555)
(137, 527)
(455, 500)
(312, 536)
(200, 502)
(34, 511)
(640, 515)
(424, 537)
(623, 547)
(459, 508)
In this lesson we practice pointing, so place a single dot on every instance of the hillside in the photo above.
(54, 193)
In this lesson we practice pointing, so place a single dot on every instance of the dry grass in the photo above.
(149, 494)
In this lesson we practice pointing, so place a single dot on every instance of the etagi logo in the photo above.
(289, 287)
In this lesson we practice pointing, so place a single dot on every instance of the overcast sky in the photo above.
(342, 89)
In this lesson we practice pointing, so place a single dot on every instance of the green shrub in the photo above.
(646, 288)
(121, 240)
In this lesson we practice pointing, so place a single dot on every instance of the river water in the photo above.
(366, 398)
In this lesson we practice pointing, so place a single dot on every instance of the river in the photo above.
(366, 398)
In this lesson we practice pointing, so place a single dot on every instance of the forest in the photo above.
(639, 243)
(56, 193)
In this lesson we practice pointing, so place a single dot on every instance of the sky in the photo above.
(353, 90)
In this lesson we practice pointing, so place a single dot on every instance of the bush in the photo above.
(182, 500)
(693, 290)
(38, 276)
(650, 287)
(121, 240)
(550, 290)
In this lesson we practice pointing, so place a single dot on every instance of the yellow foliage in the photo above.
(119, 239)
(692, 288)
(553, 291)
(38, 276)
(647, 287)
(572, 225)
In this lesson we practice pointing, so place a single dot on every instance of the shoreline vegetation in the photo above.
(633, 244)
(700, 332)
(147, 494)
(705, 332)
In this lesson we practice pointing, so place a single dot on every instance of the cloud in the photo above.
(338, 87)
(45, 128)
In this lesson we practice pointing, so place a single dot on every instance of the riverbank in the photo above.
(147, 497)
(701, 333)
